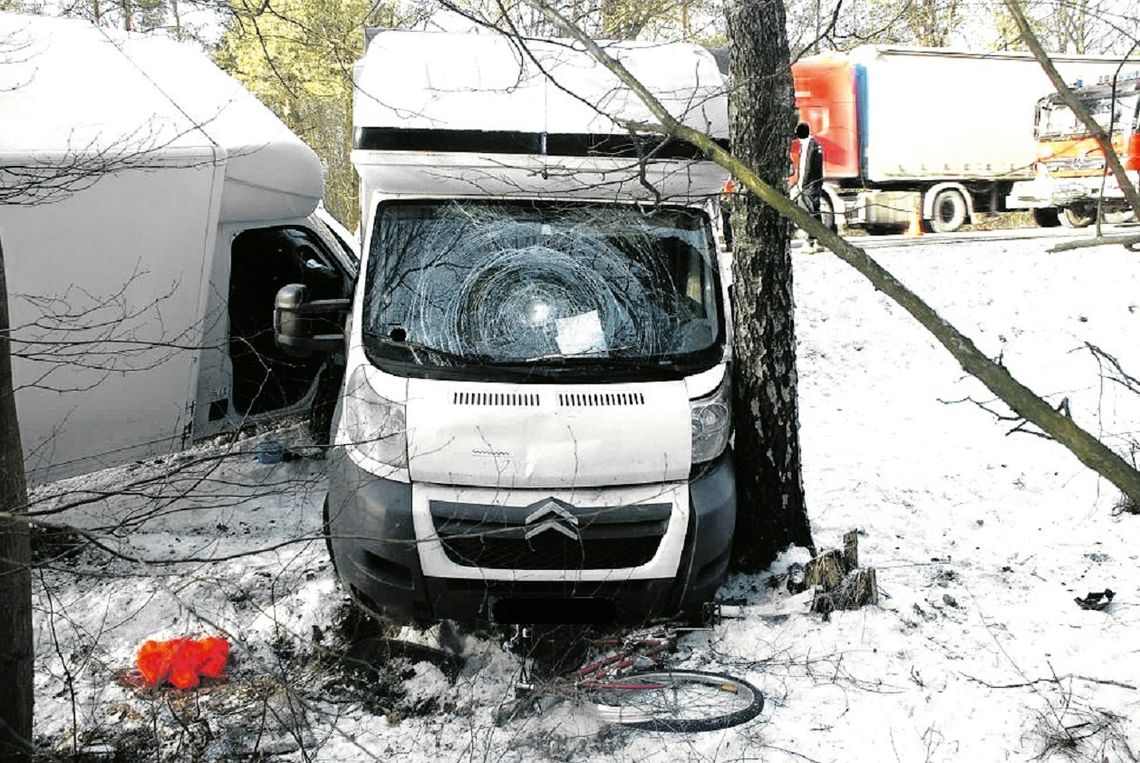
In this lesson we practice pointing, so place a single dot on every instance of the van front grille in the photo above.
(499, 537)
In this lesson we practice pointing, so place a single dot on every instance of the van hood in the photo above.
(547, 435)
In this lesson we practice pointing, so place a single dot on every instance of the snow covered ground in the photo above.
(981, 539)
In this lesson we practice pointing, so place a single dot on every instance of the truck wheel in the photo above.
(1046, 217)
(1077, 217)
(948, 212)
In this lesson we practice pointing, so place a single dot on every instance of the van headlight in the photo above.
(373, 426)
(711, 419)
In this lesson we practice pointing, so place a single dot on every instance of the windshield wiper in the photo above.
(437, 354)
(603, 362)
(607, 353)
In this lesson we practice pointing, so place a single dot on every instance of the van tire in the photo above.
(948, 211)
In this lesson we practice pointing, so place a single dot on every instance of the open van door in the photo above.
(252, 379)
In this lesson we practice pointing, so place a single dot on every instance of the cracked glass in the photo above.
(454, 284)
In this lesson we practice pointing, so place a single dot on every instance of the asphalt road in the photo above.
(1012, 234)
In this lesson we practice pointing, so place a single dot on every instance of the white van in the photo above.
(150, 209)
(535, 418)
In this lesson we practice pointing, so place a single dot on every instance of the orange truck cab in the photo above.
(1071, 166)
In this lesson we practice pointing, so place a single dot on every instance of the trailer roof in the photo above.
(68, 88)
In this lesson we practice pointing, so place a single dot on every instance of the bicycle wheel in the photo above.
(674, 700)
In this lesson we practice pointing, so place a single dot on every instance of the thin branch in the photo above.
(1087, 448)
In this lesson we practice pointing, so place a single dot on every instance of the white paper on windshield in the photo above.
(580, 334)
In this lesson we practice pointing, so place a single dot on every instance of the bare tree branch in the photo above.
(1088, 449)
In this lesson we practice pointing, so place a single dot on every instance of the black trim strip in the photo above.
(509, 142)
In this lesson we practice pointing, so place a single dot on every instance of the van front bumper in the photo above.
(372, 527)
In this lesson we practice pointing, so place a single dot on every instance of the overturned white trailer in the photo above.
(150, 209)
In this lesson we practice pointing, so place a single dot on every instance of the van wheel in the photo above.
(326, 530)
(1077, 217)
(948, 211)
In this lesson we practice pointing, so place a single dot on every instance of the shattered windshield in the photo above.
(539, 284)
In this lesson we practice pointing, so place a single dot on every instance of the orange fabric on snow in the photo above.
(182, 661)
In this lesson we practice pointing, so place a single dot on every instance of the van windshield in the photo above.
(541, 285)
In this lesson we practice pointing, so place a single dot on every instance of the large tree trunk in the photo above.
(771, 513)
(15, 568)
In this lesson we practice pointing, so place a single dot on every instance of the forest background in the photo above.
(297, 55)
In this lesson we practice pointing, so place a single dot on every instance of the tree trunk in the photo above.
(15, 568)
(771, 511)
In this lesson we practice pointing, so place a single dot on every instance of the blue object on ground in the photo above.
(270, 452)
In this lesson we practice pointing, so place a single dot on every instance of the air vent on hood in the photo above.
(598, 399)
(495, 398)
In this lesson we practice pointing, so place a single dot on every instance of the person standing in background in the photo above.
(808, 183)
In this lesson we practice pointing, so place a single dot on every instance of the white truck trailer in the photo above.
(950, 131)
(151, 207)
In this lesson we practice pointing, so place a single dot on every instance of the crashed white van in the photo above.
(535, 419)
(150, 209)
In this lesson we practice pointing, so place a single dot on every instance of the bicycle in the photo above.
(632, 687)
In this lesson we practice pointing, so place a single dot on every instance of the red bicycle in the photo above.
(630, 685)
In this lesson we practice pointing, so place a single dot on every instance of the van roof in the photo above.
(427, 103)
(68, 87)
(490, 82)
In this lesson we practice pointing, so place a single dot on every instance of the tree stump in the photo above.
(851, 549)
(826, 570)
(838, 581)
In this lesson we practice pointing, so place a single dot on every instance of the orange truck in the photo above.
(1072, 175)
(946, 132)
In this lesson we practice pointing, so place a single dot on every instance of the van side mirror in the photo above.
(296, 321)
